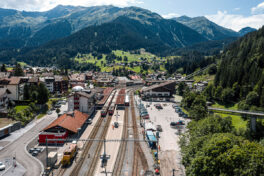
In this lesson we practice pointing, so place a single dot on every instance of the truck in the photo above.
(52, 158)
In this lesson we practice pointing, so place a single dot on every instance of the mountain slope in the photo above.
(243, 63)
(123, 33)
(246, 30)
(34, 28)
(207, 28)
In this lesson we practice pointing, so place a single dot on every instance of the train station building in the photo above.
(159, 92)
(70, 124)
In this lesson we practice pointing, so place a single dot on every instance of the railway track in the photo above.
(93, 164)
(138, 152)
(61, 171)
(76, 170)
(121, 154)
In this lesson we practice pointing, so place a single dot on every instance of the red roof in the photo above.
(70, 122)
(107, 93)
(121, 97)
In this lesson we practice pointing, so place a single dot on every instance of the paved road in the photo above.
(17, 148)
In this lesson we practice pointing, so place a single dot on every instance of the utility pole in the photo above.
(47, 153)
(104, 157)
(173, 170)
(157, 150)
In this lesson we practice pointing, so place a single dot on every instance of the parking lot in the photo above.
(170, 157)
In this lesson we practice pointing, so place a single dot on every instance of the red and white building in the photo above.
(68, 124)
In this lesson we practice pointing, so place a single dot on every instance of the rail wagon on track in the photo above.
(113, 105)
(69, 154)
(127, 100)
(105, 108)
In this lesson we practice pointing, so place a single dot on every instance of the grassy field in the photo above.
(237, 120)
(209, 78)
(5, 121)
(102, 63)
(22, 64)
(20, 108)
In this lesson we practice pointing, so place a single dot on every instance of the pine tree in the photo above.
(18, 70)
(3, 68)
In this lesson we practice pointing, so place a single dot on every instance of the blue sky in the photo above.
(233, 14)
(200, 7)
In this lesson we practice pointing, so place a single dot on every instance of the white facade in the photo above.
(49, 86)
(16, 91)
(152, 93)
(81, 103)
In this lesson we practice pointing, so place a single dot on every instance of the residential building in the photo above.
(61, 84)
(49, 83)
(15, 86)
(33, 81)
(4, 100)
(82, 100)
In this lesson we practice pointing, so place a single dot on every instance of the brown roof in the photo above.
(157, 86)
(121, 97)
(33, 80)
(69, 122)
(14, 80)
(107, 93)
(77, 77)
(58, 78)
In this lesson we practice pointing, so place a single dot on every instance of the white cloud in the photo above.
(236, 9)
(259, 9)
(237, 22)
(170, 15)
(42, 5)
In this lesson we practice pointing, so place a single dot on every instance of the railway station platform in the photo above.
(112, 148)
(88, 130)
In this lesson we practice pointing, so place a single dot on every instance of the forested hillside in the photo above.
(123, 33)
(242, 68)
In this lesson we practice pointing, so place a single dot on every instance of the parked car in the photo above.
(143, 114)
(175, 106)
(89, 121)
(49, 112)
(31, 150)
(35, 153)
(143, 111)
(146, 116)
(178, 110)
(2, 166)
(185, 116)
(158, 127)
(38, 149)
(158, 106)
(173, 124)
(180, 122)
(181, 114)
